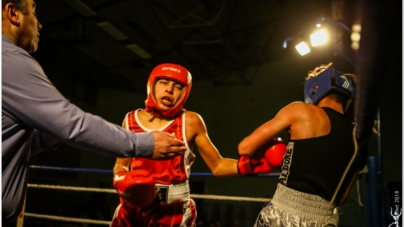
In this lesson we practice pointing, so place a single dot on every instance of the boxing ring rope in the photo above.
(67, 219)
(194, 196)
(113, 191)
(89, 170)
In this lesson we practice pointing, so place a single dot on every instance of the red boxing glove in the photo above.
(135, 187)
(264, 159)
(275, 153)
(253, 165)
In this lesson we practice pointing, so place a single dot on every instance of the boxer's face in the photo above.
(29, 28)
(167, 93)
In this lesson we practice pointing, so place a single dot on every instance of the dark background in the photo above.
(242, 76)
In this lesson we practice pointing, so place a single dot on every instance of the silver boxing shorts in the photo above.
(291, 208)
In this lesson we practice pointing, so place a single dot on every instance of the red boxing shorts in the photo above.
(172, 207)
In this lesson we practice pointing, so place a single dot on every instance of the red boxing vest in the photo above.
(172, 171)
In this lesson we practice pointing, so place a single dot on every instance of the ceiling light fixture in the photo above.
(80, 7)
(318, 38)
(302, 48)
(321, 37)
(112, 31)
(139, 51)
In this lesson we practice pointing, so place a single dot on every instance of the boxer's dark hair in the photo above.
(19, 4)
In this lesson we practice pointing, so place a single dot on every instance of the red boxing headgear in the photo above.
(173, 72)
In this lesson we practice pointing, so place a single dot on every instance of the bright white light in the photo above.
(318, 25)
(355, 37)
(318, 38)
(355, 46)
(356, 28)
(302, 48)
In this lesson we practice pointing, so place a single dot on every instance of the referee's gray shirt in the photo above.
(35, 116)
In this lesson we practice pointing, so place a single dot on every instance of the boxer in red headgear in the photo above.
(172, 72)
(156, 193)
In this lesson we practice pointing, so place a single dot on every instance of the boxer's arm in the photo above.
(269, 130)
(121, 165)
(217, 164)
(135, 187)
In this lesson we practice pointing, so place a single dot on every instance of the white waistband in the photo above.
(299, 203)
(176, 192)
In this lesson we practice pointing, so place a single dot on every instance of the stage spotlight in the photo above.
(318, 38)
(302, 48)
(355, 36)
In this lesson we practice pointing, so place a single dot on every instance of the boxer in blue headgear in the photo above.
(319, 85)
(318, 168)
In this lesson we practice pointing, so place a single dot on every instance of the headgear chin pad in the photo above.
(327, 82)
(173, 72)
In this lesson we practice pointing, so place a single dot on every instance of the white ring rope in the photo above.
(232, 198)
(196, 196)
(70, 188)
(66, 219)
(104, 190)
(89, 221)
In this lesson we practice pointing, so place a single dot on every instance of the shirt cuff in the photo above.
(145, 145)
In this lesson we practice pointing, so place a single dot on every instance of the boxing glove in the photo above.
(275, 152)
(253, 165)
(135, 187)
(264, 159)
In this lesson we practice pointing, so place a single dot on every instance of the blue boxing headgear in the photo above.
(329, 81)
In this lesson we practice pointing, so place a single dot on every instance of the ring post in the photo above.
(374, 193)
